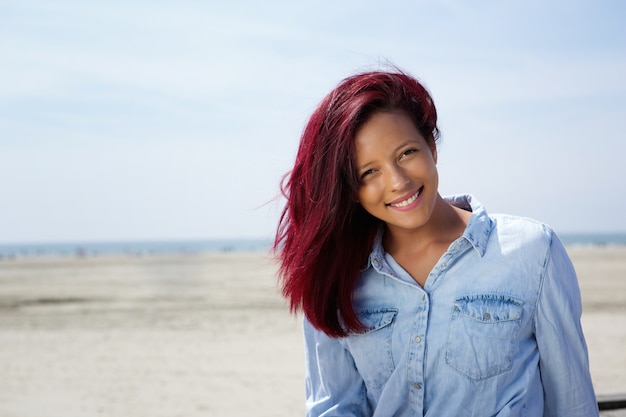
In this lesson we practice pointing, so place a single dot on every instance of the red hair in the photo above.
(324, 236)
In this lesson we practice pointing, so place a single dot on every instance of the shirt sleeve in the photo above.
(563, 357)
(334, 387)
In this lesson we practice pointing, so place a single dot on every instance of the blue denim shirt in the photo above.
(494, 332)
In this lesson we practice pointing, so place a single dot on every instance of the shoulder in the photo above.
(521, 232)
(502, 233)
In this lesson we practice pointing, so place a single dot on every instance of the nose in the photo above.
(397, 178)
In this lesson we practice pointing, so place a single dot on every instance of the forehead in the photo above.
(387, 129)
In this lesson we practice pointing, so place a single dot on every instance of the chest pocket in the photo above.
(482, 335)
(371, 349)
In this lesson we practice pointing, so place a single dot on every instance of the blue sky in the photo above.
(126, 120)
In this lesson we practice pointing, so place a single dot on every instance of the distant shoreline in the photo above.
(136, 248)
(192, 247)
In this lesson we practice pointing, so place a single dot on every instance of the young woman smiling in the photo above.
(415, 304)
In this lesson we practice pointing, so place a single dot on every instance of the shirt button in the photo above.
(417, 386)
(486, 316)
(418, 339)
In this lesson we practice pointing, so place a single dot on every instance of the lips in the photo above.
(406, 201)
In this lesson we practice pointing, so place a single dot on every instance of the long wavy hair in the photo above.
(324, 236)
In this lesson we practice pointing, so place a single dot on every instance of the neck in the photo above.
(447, 223)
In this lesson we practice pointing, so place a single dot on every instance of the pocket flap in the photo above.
(489, 308)
(376, 319)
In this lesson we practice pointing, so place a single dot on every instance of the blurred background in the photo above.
(156, 120)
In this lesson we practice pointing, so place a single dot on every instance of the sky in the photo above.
(152, 120)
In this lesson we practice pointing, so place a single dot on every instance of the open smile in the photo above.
(406, 202)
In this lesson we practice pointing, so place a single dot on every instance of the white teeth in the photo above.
(407, 201)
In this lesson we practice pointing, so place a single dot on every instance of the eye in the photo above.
(367, 173)
(408, 152)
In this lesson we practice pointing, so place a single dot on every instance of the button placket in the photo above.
(416, 353)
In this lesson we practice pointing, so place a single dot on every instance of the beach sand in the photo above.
(200, 335)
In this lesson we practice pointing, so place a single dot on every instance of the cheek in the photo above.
(363, 194)
(360, 195)
(368, 194)
(435, 172)
(429, 169)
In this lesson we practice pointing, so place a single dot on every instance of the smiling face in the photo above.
(397, 169)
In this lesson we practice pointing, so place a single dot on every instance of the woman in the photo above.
(414, 304)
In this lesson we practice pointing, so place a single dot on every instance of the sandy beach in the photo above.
(200, 335)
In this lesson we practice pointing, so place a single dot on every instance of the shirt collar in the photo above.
(480, 224)
(476, 233)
